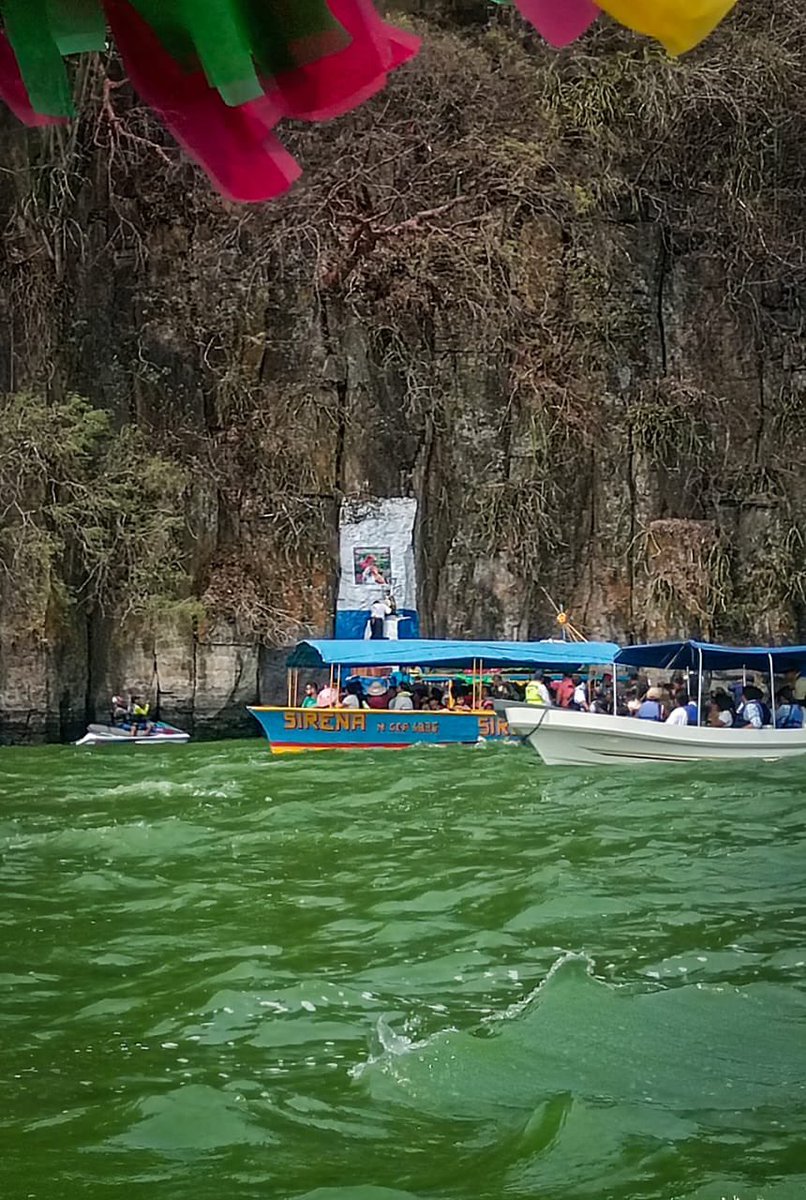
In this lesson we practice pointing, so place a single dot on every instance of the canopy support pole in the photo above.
(772, 691)
(615, 690)
(699, 690)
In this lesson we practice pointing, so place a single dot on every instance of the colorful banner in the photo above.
(376, 540)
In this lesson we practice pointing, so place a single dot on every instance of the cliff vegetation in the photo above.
(559, 298)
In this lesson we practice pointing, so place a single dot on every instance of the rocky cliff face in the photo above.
(559, 299)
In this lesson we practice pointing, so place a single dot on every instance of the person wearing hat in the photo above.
(652, 707)
(378, 694)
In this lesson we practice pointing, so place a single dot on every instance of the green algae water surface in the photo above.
(432, 974)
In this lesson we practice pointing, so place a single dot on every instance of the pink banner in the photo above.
(559, 21)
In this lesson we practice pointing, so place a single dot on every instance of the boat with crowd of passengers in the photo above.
(293, 728)
(565, 738)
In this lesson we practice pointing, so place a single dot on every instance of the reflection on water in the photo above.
(398, 976)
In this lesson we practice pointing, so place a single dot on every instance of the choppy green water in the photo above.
(444, 974)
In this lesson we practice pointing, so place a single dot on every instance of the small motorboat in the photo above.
(562, 737)
(110, 735)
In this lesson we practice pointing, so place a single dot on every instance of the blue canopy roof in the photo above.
(683, 656)
(417, 652)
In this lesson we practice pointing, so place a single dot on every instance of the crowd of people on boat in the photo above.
(738, 705)
(395, 695)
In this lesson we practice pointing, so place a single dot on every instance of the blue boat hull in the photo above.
(290, 730)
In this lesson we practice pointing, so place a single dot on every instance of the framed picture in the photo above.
(373, 565)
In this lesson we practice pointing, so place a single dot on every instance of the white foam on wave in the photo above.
(520, 1006)
(393, 1045)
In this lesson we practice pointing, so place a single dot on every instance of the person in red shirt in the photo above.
(565, 691)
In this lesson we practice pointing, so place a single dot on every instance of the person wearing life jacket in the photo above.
(138, 715)
(536, 691)
(788, 713)
(651, 708)
(752, 713)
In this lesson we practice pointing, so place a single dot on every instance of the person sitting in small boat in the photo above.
(564, 690)
(354, 696)
(402, 700)
(138, 715)
(720, 714)
(693, 711)
(679, 714)
(602, 702)
(309, 699)
(378, 694)
(464, 701)
(536, 691)
(487, 702)
(752, 713)
(327, 697)
(651, 709)
(119, 713)
(579, 700)
(788, 713)
(500, 688)
(797, 682)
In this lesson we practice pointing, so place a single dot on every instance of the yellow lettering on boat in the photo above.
(326, 723)
(342, 722)
(290, 719)
(310, 720)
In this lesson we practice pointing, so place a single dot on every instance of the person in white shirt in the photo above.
(378, 613)
(720, 715)
(402, 702)
(679, 714)
(580, 697)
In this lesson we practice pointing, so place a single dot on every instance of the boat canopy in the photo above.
(695, 655)
(418, 652)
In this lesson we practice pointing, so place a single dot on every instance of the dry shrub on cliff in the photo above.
(689, 569)
(84, 505)
(469, 296)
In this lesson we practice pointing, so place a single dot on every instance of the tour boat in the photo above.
(110, 735)
(291, 728)
(565, 738)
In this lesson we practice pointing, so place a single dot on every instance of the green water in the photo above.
(445, 973)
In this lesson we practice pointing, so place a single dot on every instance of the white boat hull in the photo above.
(565, 738)
(109, 735)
